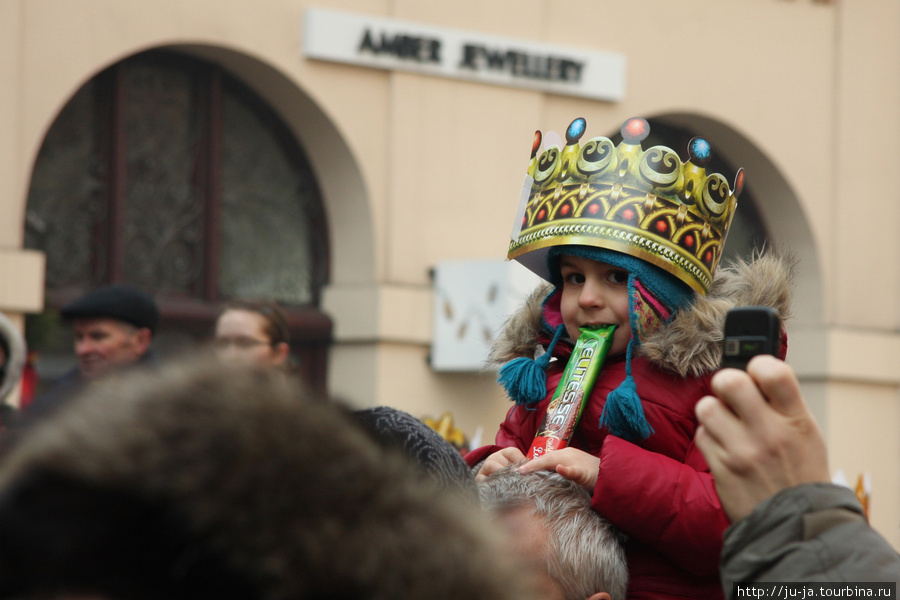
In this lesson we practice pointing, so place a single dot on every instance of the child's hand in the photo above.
(571, 463)
(498, 460)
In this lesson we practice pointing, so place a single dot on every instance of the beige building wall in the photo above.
(417, 169)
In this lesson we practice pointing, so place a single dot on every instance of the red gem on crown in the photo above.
(536, 144)
(634, 130)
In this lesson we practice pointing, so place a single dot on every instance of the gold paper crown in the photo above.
(645, 203)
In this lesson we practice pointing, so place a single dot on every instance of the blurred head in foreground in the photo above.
(200, 481)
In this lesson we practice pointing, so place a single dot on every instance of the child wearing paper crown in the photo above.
(631, 238)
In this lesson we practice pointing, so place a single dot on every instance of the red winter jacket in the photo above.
(658, 491)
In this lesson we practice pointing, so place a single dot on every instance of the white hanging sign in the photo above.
(408, 46)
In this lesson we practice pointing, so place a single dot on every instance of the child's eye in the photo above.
(574, 278)
(617, 277)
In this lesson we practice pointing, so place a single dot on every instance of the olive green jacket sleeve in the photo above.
(809, 533)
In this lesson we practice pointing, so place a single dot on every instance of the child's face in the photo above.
(595, 293)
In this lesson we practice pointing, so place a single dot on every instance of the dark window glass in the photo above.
(65, 199)
(265, 198)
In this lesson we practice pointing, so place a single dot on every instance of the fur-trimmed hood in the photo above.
(690, 344)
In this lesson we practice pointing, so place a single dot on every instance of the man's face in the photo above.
(103, 344)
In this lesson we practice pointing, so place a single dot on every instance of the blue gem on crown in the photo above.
(700, 151)
(575, 130)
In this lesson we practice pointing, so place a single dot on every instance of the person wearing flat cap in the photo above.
(114, 327)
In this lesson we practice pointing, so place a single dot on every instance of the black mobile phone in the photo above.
(750, 330)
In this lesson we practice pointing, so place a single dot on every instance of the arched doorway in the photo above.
(167, 172)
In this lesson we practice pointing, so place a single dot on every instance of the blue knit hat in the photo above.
(525, 379)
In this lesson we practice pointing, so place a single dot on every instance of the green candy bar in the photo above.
(573, 390)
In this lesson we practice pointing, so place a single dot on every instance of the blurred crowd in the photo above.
(222, 476)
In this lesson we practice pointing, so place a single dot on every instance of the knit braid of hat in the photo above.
(653, 298)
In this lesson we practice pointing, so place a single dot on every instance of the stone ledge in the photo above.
(22, 274)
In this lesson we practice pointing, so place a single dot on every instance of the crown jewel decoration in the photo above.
(645, 203)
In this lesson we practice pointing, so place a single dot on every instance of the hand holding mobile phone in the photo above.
(750, 330)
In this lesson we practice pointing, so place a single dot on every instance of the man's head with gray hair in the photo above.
(583, 552)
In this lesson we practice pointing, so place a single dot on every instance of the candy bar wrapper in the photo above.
(573, 390)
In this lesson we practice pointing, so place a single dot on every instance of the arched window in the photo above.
(167, 173)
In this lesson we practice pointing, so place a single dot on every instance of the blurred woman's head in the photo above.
(253, 333)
